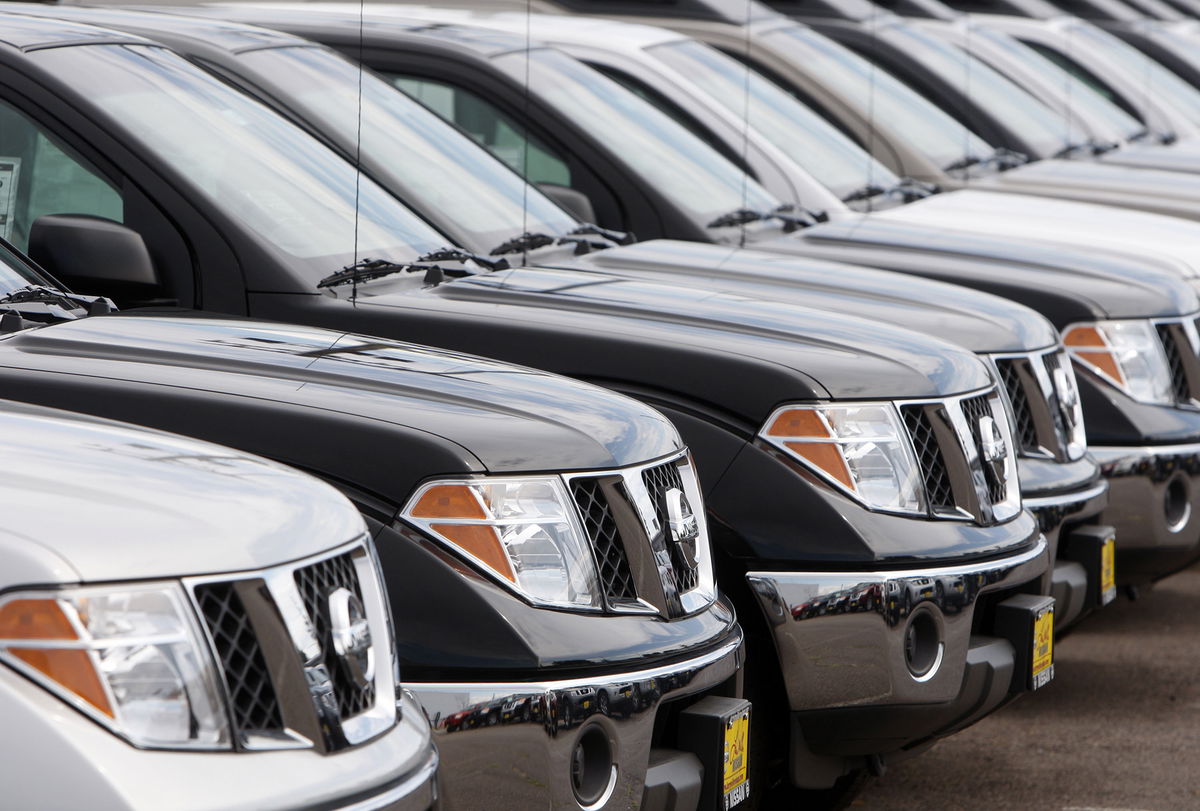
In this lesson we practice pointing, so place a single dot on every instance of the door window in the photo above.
(39, 175)
(484, 122)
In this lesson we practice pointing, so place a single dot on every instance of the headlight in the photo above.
(861, 449)
(129, 656)
(1127, 354)
(523, 531)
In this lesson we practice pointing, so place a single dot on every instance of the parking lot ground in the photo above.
(1118, 728)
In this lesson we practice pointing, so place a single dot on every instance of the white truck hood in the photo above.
(91, 500)
(1175, 242)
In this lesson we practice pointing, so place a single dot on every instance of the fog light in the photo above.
(1177, 507)
(593, 773)
(923, 645)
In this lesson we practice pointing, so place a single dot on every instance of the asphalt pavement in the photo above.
(1117, 729)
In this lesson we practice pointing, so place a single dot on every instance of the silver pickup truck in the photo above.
(152, 588)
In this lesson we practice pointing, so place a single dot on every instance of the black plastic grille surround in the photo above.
(929, 456)
(252, 698)
(315, 583)
(615, 576)
(1018, 398)
(1168, 337)
(658, 481)
(975, 408)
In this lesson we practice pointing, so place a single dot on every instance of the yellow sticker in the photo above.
(1043, 648)
(737, 758)
(1108, 571)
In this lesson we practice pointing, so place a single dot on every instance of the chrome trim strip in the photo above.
(897, 574)
(1114, 454)
(393, 798)
(1042, 502)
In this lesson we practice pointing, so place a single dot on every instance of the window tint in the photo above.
(484, 122)
(40, 176)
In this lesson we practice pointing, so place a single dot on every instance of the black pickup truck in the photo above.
(831, 451)
(1148, 444)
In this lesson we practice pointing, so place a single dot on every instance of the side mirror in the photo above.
(573, 201)
(94, 256)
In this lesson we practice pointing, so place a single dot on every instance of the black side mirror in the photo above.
(573, 201)
(94, 255)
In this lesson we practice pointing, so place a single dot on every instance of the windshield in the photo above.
(290, 191)
(836, 161)
(1013, 108)
(890, 103)
(425, 161)
(1159, 84)
(1073, 93)
(693, 175)
(15, 272)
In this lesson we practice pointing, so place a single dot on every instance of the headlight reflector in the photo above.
(861, 449)
(523, 531)
(129, 656)
(1127, 354)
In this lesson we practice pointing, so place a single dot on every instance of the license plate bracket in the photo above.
(1027, 621)
(717, 730)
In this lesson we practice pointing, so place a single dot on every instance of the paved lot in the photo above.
(1119, 728)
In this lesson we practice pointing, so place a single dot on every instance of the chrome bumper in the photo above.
(841, 636)
(510, 745)
(1154, 496)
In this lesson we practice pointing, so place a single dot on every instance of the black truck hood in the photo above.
(746, 355)
(1063, 283)
(979, 321)
(489, 416)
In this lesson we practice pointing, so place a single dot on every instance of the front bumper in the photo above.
(841, 639)
(54, 757)
(1074, 552)
(1154, 505)
(513, 743)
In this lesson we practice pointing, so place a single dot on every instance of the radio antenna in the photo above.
(358, 151)
(746, 45)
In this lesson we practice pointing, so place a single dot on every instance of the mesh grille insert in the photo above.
(929, 457)
(659, 480)
(615, 576)
(1018, 398)
(1179, 384)
(252, 697)
(974, 409)
(315, 583)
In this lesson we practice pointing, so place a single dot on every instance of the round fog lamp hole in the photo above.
(922, 646)
(592, 771)
(1177, 508)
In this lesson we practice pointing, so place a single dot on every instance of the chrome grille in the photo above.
(974, 409)
(315, 583)
(615, 577)
(1170, 337)
(929, 456)
(252, 699)
(658, 481)
(1018, 398)
(285, 685)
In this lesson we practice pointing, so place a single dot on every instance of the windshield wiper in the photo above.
(864, 193)
(909, 189)
(1091, 147)
(1004, 158)
(40, 294)
(787, 213)
(619, 237)
(965, 162)
(528, 241)
(452, 254)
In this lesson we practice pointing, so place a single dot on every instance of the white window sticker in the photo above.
(10, 171)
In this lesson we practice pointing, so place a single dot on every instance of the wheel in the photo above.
(602, 703)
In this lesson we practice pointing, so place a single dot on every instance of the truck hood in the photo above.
(92, 500)
(1064, 222)
(979, 321)
(489, 416)
(780, 351)
(1181, 156)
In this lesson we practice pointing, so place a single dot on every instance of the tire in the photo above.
(602, 704)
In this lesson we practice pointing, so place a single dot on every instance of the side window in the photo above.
(1084, 75)
(484, 122)
(40, 176)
